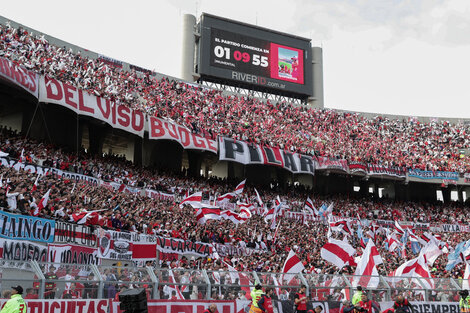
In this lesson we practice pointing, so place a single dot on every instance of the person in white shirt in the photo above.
(11, 200)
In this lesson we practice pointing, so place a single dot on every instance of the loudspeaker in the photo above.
(133, 301)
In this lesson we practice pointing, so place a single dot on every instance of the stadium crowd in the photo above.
(388, 142)
(404, 143)
(135, 212)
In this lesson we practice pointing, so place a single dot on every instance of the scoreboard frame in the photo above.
(252, 57)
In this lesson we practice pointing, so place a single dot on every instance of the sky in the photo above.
(408, 57)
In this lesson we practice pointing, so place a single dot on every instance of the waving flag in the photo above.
(292, 266)
(340, 226)
(454, 257)
(393, 242)
(170, 288)
(360, 235)
(466, 277)
(416, 267)
(258, 198)
(42, 203)
(226, 197)
(190, 199)
(204, 214)
(398, 228)
(35, 185)
(309, 207)
(431, 251)
(233, 216)
(241, 280)
(240, 187)
(367, 267)
(339, 253)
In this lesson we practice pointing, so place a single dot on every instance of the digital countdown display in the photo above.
(253, 56)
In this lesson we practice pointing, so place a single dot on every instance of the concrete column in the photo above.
(138, 149)
(188, 46)
(195, 161)
(317, 100)
(96, 135)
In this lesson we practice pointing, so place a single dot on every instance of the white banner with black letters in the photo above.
(247, 153)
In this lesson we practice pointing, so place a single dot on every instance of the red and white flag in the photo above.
(341, 226)
(226, 197)
(416, 267)
(240, 187)
(338, 252)
(204, 214)
(195, 197)
(35, 185)
(246, 206)
(366, 274)
(170, 288)
(309, 208)
(233, 216)
(89, 218)
(258, 198)
(42, 203)
(270, 215)
(241, 280)
(393, 242)
(431, 251)
(292, 266)
(466, 277)
(398, 228)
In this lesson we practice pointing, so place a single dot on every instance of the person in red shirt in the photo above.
(265, 302)
(72, 293)
(301, 300)
(368, 305)
(401, 304)
(31, 294)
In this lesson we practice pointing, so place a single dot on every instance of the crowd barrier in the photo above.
(48, 280)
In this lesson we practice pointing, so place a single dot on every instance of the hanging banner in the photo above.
(41, 170)
(114, 245)
(231, 250)
(73, 254)
(182, 306)
(20, 76)
(164, 129)
(61, 305)
(22, 227)
(421, 226)
(357, 167)
(426, 307)
(455, 228)
(247, 153)
(24, 251)
(325, 163)
(378, 170)
(159, 195)
(83, 103)
(75, 234)
(433, 174)
(180, 246)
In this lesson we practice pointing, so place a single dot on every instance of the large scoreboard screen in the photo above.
(249, 55)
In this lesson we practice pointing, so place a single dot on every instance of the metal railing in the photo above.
(53, 280)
